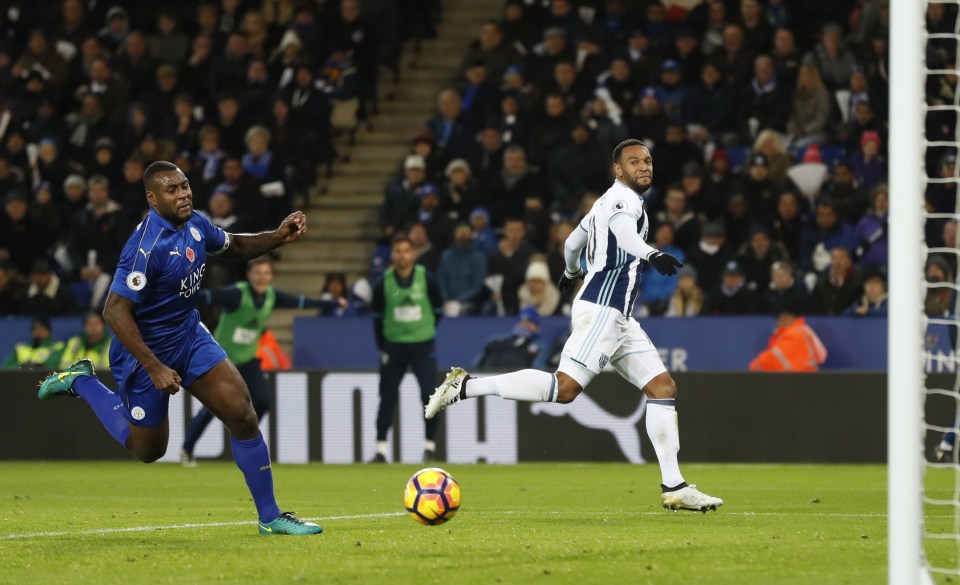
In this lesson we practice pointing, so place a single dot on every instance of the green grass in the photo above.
(531, 524)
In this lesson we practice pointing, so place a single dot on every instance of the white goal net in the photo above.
(923, 326)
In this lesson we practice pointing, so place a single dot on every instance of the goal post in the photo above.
(905, 333)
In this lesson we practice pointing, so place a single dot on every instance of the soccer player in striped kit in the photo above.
(613, 237)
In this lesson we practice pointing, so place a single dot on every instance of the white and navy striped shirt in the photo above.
(613, 275)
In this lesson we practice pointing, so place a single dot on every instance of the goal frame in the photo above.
(905, 326)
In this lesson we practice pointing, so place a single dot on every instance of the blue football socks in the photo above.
(106, 405)
(253, 459)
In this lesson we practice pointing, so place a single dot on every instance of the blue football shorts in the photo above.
(144, 404)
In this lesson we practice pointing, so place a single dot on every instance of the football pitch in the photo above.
(99, 522)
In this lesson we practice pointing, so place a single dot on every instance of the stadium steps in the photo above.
(342, 211)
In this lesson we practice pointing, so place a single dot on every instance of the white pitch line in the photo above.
(180, 526)
(100, 531)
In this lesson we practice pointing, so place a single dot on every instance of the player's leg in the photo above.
(222, 390)
(638, 361)
(257, 384)
(423, 363)
(198, 424)
(393, 365)
(587, 344)
(80, 381)
(136, 420)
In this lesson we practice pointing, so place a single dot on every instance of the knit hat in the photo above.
(538, 270)
(812, 154)
(414, 161)
(869, 136)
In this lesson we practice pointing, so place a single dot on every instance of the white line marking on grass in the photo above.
(98, 531)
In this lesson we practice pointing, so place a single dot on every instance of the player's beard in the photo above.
(635, 185)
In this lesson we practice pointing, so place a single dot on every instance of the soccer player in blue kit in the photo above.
(161, 346)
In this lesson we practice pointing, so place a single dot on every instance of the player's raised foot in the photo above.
(61, 383)
(287, 523)
(446, 393)
(689, 498)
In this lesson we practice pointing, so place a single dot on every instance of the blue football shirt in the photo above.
(160, 270)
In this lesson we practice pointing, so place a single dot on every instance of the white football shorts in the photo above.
(603, 335)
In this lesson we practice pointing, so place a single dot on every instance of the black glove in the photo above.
(664, 263)
(567, 280)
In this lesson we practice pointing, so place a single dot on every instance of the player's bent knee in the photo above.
(661, 387)
(567, 388)
(149, 454)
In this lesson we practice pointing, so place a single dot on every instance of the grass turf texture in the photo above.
(532, 523)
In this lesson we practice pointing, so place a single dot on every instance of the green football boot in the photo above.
(61, 383)
(287, 523)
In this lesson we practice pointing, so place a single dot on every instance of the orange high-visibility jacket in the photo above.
(271, 355)
(794, 348)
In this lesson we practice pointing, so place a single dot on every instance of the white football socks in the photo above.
(525, 385)
(665, 435)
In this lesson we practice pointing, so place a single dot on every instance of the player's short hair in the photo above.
(618, 149)
(258, 261)
(401, 237)
(161, 166)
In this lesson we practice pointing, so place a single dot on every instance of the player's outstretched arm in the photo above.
(625, 229)
(118, 313)
(249, 246)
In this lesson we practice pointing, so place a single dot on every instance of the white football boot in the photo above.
(689, 498)
(446, 393)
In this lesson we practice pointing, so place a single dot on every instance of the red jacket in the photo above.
(794, 348)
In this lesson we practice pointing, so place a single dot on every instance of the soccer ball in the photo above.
(432, 496)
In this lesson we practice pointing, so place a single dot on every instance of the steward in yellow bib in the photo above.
(247, 306)
(40, 352)
(406, 307)
(92, 344)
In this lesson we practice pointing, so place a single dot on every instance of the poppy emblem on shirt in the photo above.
(191, 255)
(195, 233)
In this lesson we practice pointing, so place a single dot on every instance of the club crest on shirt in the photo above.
(191, 255)
(136, 280)
(195, 233)
(620, 205)
(604, 358)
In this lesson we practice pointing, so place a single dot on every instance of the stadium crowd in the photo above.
(767, 121)
(244, 96)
